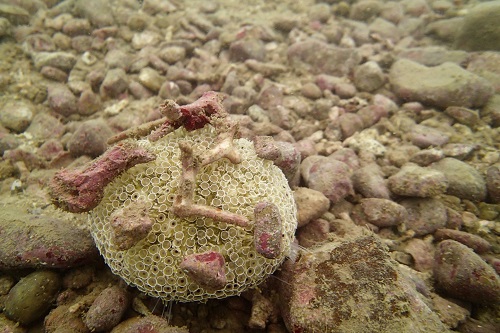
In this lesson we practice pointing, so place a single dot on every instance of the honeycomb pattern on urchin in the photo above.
(152, 264)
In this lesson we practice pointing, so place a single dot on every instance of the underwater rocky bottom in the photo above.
(346, 178)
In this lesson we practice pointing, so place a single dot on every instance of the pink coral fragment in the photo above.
(268, 231)
(81, 190)
(206, 268)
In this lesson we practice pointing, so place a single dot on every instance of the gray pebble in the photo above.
(76, 27)
(98, 12)
(118, 58)
(493, 182)
(317, 57)
(313, 233)
(424, 136)
(433, 55)
(392, 11)
(427, 156)
(369, 181)
(425, 215)
(421, 253)
(464, 181)
(319, 12)
(15, 14)
(311, 205)
(45, 126)
(88, 103)
(365, 9)
(385, 29)
(311, 90)
(8, 141)
(415, 181)
(138, 90)
(475, 34)
(383, 212)
(460, 151)
(115, 83)
(169, 90)
(172, 54)
(90, 138)
(63, 320)
(442, 86)
(369, 76)
(463, 115)
(16, 115)
(147, 324)
(32, 296)
(62, 100)
(62, 60)
(349, 124)
(5, 28)
(107, 309)
(53, 73)
(250, 48)
(151, 79)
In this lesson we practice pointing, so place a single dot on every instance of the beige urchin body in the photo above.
(191, 256)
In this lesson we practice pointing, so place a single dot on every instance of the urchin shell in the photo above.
(161, 263)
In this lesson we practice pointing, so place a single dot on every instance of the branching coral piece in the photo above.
(191, 164)
(193, 116)
(81, 190)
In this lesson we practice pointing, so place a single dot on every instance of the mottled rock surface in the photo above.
(445, 85)
(352, 286)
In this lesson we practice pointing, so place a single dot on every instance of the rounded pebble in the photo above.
(369, 181)
(32, 296)
(63, 320)
(311, 205)
(493, 182)
(442, 86)
(328, 176)
(369, 76)
(59, 243)
(425, 136)
(107, 309)
(62, 100)
(461, 273)
(422, 254)
(311, 90)
(149, 323)
(475, 242)
(382, 212)
(242, 50)
(115, 83)
(90, 138)
(415, 181)
(16, 115)
(425, 215)
(464, 181)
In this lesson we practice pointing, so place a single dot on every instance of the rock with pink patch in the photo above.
(268, 230)
(207, 269)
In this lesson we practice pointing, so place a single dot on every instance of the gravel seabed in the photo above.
(393, 105)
